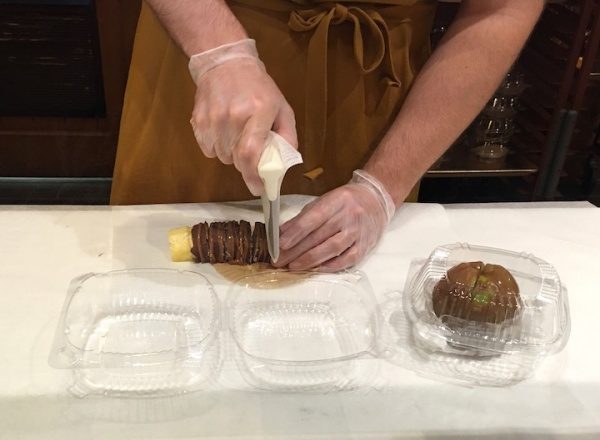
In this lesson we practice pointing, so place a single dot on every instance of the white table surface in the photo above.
(43, 248)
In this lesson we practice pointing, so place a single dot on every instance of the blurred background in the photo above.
(63, 71)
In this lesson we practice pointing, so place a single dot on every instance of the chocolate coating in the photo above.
(212, 243)
(477, 292)
(195, 242)
(231, 232)
(203, 242)
(220, 242)
(260, 249)
(230, 242)
(244, 243)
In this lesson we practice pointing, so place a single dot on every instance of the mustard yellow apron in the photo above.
(344, 67)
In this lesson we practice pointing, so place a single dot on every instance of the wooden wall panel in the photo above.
(79, 143)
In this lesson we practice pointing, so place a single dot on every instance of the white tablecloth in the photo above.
(43, 248)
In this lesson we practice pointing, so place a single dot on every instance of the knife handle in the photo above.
(277, 157)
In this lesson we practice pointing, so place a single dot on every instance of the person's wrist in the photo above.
(362, 177)
(204, 62)
(398, 184)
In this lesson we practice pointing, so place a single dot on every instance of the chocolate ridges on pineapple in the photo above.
(220, 227)
(231, 233)
(238, 250)
(195, 242)
(230, 242)
(245, 243)
(266, 258)
(260, 252)
(200, 242)
(212, 243)
(254, 245)
(203, 242)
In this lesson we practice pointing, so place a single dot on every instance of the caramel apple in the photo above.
(479, 292)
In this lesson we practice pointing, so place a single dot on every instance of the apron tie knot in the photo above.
(320, 19)
(370, 45)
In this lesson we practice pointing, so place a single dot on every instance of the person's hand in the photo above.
(237, 104)
(338, 229)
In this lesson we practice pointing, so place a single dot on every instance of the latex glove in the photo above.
(236, 105)
(338, 229)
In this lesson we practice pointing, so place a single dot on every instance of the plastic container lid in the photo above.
(142, 331)
(402, 347)
(476, 308)
(302, 331)
(155, 332)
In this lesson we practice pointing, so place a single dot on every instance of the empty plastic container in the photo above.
(138, 332)
(303, 331)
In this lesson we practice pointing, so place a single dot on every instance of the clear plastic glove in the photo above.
(338, 229)
(237, 104)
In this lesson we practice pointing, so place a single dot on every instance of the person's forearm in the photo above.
(198, 25)
(452, 88)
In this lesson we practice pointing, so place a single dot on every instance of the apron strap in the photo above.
(319, 20)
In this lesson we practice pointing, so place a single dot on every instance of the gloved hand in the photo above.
(338, 229)
(236, 105)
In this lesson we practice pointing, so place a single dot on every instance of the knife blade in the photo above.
(271, 214)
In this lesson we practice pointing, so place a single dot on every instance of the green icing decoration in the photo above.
(482, 297)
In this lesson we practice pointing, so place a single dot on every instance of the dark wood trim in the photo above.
(69, 147)
(561, 104)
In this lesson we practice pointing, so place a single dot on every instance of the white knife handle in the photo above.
(271, 170)
(277, 157)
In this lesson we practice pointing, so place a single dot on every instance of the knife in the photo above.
(275, 160)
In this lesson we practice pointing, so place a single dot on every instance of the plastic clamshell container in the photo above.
(401, 346)
(538, 323)
(138, 332)
(302, 331)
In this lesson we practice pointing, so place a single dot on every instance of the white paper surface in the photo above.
(44, 248)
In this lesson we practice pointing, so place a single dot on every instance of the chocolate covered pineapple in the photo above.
(477, 292)
(220, 242)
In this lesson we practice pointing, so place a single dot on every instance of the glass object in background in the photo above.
(502, 107)
(491, 137)
(495, 126)
(499, 130)
(491, 150)
(513, 84)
